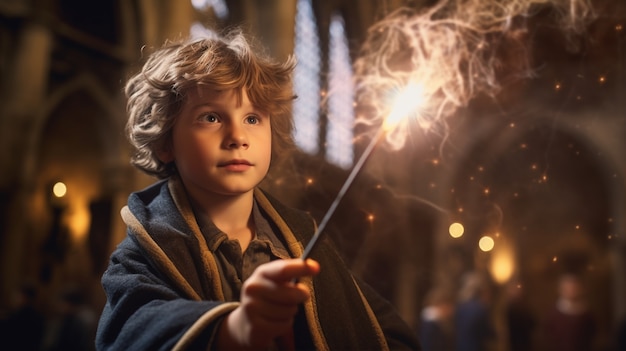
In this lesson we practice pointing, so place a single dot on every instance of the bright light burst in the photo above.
(451, 49)
(408, 102)
(432, 63)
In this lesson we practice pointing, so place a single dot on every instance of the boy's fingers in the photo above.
(288, 270)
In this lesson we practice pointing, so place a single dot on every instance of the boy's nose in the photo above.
(236, 138)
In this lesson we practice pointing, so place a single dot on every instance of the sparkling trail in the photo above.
(452, 50)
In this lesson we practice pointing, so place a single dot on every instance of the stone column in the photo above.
(25, 89)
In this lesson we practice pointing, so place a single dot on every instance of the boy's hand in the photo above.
(269, 303)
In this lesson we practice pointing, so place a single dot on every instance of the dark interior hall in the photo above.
(531, 160)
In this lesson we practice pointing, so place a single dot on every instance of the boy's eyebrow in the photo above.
(205, 104)
(201, 105)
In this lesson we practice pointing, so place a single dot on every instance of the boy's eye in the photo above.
(211, 117)
(252, 119)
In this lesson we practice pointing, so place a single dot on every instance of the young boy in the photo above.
(210, 260)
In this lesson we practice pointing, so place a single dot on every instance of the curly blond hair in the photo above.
(156, 93)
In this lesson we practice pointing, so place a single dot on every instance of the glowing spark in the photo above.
(439, 60)
(407, 102)
(452, 49)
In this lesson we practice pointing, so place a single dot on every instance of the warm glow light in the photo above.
(407, 102)
(486, 243)
(59, 189)
(449, 48)
(79, 219)
(456, 230)
(502, 264)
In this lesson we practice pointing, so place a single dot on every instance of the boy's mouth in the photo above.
(236, 165)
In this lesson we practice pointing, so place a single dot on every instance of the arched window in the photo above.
(306, 108)
(339, 133)
(339, 99)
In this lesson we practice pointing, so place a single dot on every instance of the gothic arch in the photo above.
(107, 131)
(583, 226)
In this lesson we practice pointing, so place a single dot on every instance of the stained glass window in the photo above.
(306, 108)
(339, 133)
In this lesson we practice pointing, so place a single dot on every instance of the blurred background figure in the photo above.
(520, 322)
(570, 325)
(23, 327)
(436, 329)
(621, 336)
(73, 326)
(472, 319)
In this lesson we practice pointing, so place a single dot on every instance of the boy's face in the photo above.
(221, 146)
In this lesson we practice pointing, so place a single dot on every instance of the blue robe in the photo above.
(164, 290)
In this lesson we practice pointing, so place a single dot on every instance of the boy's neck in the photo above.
(231, 214)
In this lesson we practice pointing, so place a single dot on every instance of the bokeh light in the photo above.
(59, 189)
(456, 230)
(486, 243)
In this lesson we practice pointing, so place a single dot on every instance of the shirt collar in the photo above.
(264, 231)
